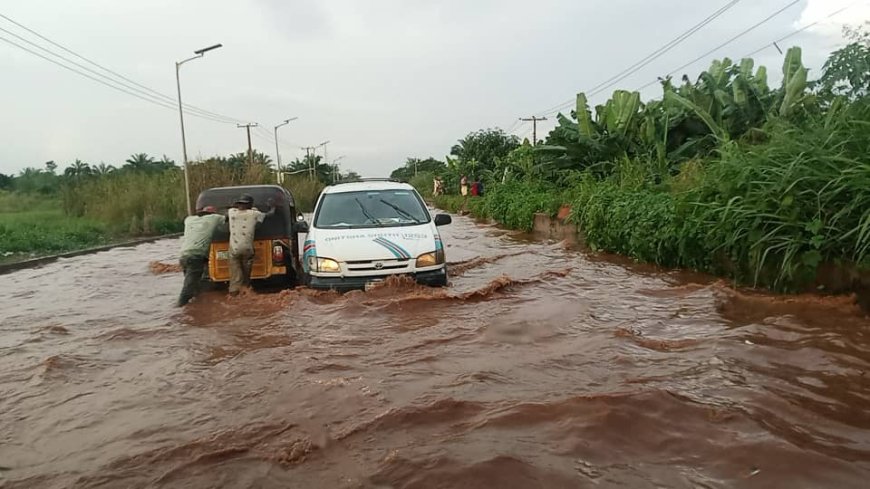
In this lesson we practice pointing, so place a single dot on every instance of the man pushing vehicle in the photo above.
(198, 232)
(243, 222)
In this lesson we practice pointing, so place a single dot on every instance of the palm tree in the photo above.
(102, 169)
(78, 169)
(139, 162)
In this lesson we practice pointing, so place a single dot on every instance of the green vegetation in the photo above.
(35, 225)
(46, 212)
(724, 174)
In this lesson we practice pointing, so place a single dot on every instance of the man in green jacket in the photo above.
(198, 232)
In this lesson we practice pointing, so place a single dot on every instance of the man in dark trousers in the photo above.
(198, 232)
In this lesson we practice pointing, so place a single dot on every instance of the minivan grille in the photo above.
(377, 265)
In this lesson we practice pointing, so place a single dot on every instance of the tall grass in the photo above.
(783, 207)
(305, 190)
(764, 214)
(129, 202)
(153, 203)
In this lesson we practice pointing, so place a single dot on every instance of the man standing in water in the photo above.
(243, 220)
(198, 232)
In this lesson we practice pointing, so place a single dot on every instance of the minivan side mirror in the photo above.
(443, 219)
(301, 227)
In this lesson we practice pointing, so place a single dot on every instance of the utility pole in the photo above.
(335, 168)
(308, 159)
(248, 126)
(534, 120)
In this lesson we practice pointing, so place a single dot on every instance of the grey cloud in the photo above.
(382, 79)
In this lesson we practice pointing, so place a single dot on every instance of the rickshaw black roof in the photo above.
(226, 196)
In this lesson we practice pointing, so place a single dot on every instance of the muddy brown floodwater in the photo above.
(540, 367)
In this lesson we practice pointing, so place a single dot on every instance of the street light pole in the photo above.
(199, 54)
(277, 151)
(323, 145)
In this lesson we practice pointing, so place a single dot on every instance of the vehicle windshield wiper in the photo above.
(366, 212)
(401, 211)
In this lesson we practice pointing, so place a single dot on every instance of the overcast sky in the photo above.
(381, 79)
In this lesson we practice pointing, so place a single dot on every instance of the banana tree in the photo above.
(794, 82)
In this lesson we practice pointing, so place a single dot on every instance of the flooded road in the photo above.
(540, 367)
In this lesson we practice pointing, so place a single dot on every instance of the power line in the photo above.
(120, 89)
(661, 51)
(803, 29)
(648, 59)
(145, 90)
(651, 57)
(264, 133)
(81, 66)
(729, 41)
(513, 127)
(165, 105)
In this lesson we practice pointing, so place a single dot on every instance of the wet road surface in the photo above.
(541, 366)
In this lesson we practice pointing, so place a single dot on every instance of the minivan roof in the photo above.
(366, 186)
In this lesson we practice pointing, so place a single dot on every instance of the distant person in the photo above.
(463, 186)
(198, 232)
(479, 184)
(439, 186)
(435, 186)
(243, 221)
(475, 188)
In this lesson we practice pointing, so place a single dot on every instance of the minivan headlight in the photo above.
(323, 265)
(430, 259)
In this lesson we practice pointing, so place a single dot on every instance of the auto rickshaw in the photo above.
(276, 241)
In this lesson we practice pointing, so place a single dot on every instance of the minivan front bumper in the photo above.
(432, 278)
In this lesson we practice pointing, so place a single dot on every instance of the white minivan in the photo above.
(363, 232)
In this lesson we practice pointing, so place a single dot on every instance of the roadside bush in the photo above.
(640, 224)
(423, 182)
(449, 203)
(515, 203)
(44, 232)
(304, 190)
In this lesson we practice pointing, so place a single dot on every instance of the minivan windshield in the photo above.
(371, 208)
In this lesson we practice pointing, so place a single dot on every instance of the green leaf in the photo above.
(584, 117)
(701, 113)
(811, 258)
(794, 82)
